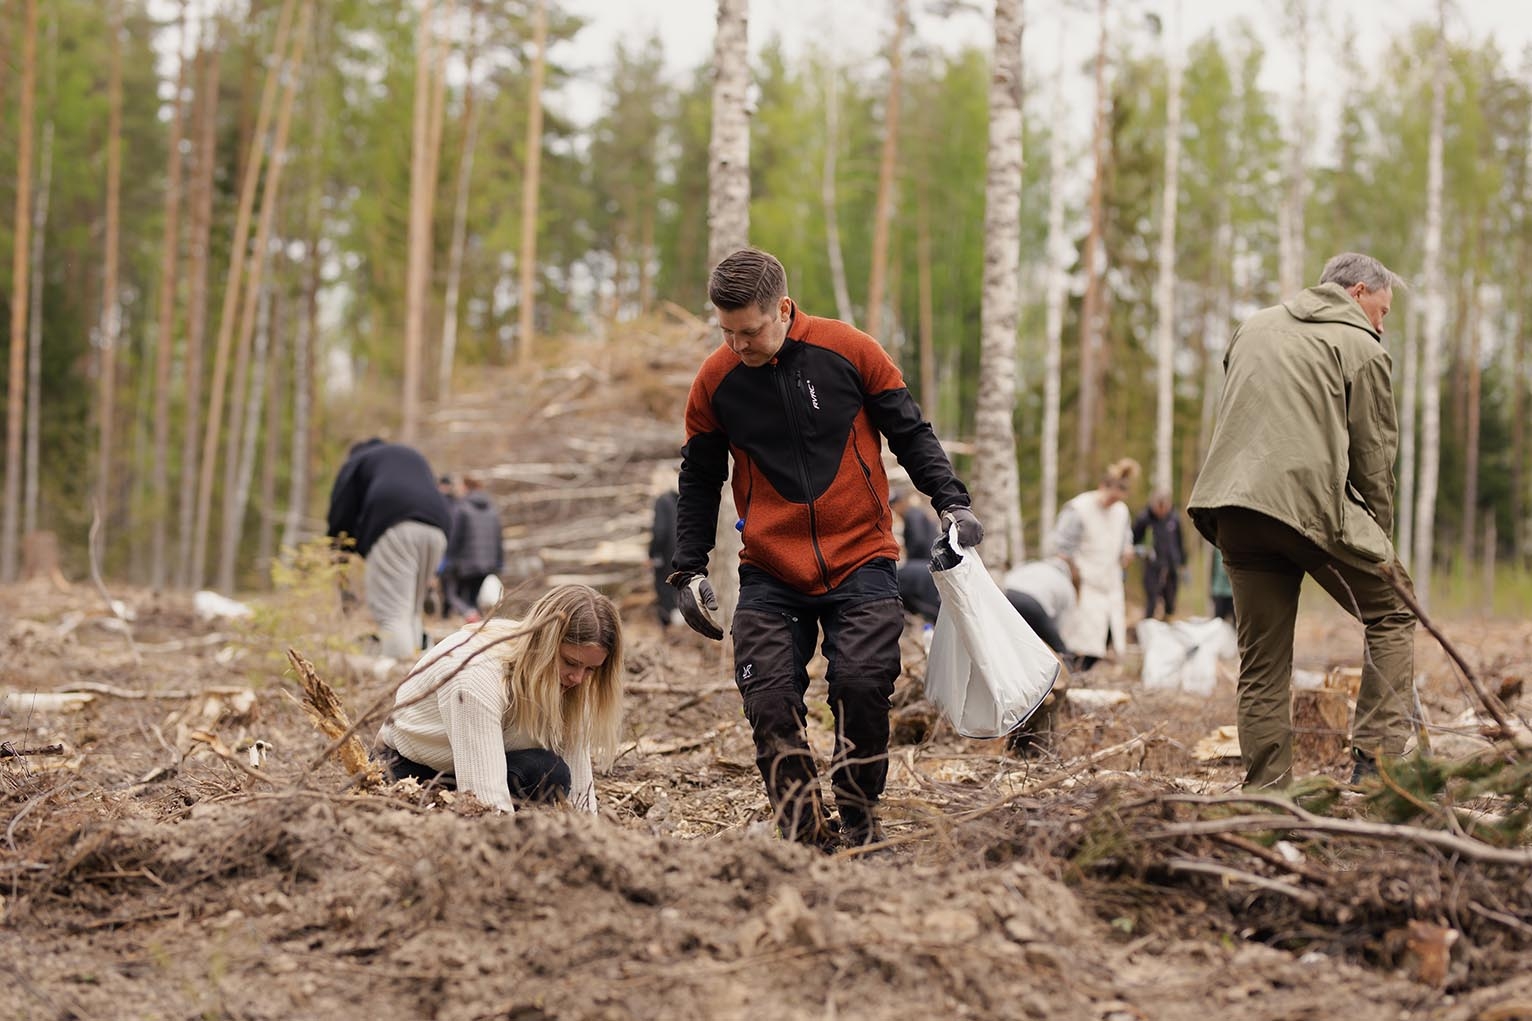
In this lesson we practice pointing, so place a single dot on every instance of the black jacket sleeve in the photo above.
(704, 470)
(895, 414)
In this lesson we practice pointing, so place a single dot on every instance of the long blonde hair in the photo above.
(540, 707)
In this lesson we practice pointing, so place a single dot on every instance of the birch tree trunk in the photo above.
(30, 488)
(1165, 289)
(20, 251)
(1409, 384)
(888, 164)
(728, 231)
(248, 407)
(459, 243)
(197, 255)
(305, 340)
(1291, 228)
(1471, 432)
(526, 293)
(159, 487)
(1095, 271)
(271, 433)
(728, 207)
(235, 496)
(417, 277)
(111, 313)
(827, 195)
(237, 253)
(1060, 253)
(1435, 313)
(996, 491)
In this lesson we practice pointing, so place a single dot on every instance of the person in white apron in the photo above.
(1095, 530)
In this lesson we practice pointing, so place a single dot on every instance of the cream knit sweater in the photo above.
(463, 727)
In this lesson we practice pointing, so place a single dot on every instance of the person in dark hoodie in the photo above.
(474, 550)
(1299, 479)
(386, 503)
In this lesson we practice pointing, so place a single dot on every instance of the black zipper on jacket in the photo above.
(790, 404)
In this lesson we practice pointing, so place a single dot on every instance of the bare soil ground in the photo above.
(147, 870)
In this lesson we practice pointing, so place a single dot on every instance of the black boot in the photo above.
(1365, 768)
(859, 826)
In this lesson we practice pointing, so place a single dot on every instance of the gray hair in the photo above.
(1351, 268)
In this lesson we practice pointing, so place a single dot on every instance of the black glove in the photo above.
(969, 532)
(697, 603)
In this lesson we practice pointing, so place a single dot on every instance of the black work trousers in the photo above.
(776, 630)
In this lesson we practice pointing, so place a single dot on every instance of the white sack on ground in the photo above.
(987, 670)
(1183, 655)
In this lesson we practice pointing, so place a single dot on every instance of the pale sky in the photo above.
(858, 28)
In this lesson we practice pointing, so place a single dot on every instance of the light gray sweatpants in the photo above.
(399, 567)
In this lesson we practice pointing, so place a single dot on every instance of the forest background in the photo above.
(245, 234)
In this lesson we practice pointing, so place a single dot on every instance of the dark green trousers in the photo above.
(1266, 561)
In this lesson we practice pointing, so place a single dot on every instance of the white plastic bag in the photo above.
(987, 670)
(1183, 655)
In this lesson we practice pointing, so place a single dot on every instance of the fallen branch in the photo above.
(1303, 897)
(9, 751)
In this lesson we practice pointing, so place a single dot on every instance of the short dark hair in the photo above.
(747, 277)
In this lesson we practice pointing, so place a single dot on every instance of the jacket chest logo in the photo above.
(813, 395)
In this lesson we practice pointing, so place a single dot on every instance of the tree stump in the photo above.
(1322, 718)
(40, 558)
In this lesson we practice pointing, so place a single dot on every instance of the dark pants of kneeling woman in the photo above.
(533, 774)
(776, 629)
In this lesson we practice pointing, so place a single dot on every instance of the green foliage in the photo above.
(1488, 797)
(304, 605)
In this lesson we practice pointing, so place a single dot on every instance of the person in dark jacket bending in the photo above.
(803, 404)
(385, 500)
(474, 550)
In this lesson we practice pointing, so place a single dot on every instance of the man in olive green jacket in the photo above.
(1299, 479)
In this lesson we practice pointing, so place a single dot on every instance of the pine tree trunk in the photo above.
(995, 485)
(1165, 289)
(888, 165)
(30, 489)
(728, 208)
(459, 243)
(827, 196)
(1060, 254)
(526, 291)
(930, 400)
(1091, 311)
(235, 496)
(1519, 429)
(238, 251)
(111, 312)
(1435, 318)
(20, 251)
(198, 252)
(159, 487)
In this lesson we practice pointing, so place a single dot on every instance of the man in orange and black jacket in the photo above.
(803, 404)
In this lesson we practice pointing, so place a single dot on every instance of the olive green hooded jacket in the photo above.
(1306, 430)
